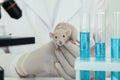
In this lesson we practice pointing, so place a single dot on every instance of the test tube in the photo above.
(100, 46)
(115, 43)
(85, 37)
(84, 44)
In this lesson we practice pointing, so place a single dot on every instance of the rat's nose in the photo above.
(60, 42)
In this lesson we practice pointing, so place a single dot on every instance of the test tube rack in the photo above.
(93, 65)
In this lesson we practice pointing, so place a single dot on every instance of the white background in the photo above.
(114, 5)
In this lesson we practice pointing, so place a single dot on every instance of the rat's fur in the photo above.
(62, 33)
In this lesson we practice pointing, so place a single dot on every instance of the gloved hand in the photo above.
(38, 62)
(66, 56)
(43, 62)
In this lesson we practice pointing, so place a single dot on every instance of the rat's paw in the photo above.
(58, 49)
(73, 42)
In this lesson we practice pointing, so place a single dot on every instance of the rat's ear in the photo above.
(68, 33)
(51, 35)
(59, 24)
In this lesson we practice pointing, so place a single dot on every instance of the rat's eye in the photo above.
(64, 36)
(55, 37)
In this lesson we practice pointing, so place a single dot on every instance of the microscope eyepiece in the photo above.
(12, 8)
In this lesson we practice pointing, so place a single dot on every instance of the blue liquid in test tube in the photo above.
(84, 75)
(100, 51)
(115, 75)
(115, 49)
(100, 46)
(84, 53)
(85, 45)
(115, 56)
(115, 44)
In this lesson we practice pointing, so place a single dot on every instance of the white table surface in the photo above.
(34, 79)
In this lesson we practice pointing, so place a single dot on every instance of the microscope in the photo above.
(11, 8)
(14, 12)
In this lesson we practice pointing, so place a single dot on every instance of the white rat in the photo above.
(62, 33)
